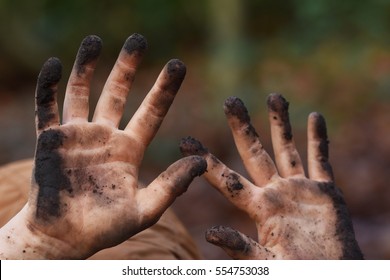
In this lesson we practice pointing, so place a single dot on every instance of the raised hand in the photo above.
(85, 194)
(296, 217)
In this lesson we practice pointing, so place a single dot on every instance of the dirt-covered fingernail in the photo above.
(234, 106)
(136, 43)
(191, 146)
(89, 51)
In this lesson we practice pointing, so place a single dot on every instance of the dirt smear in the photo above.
(278, 105)
(45, 96)
(322, 135)
(228, 238)
(48, 174)
(234, 107)
(233, 183)
(176, 71)
(191, 146)
(89, 52)
(344, 227)
(136, 44)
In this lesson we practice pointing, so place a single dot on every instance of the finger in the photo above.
(160, 194)
(46, 108)
(287, 158)
(149, 116)
(256, 160)
(111, 103)
(76, 105)
(232, 185)
(318, 164)
(237, 245)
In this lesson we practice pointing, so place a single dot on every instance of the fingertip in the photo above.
(278, 114)
(89, 51)
(51, 73)
(176, 68)
(277, 103)
(136, 43)
(319, 124)
(234, 106)
(191, 146)
(176, 72)
(45, 95)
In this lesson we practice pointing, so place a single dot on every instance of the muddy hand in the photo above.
(296, 217)
(85, 194)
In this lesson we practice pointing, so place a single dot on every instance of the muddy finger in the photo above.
(257, 162)
(232, 185)
(287, 158)
(149, 116)
(237, 245)
(76, 105)
(318, 164)
(46, 108)
(111, 103)
(160, 194)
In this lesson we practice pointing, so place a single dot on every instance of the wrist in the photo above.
(21, 239)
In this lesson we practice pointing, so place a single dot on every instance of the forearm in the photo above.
(19, 239)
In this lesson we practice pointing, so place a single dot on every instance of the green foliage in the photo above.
(311, 48)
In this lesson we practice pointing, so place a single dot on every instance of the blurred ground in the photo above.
(321, 55)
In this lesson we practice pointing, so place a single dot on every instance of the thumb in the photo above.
(237, 245)
(159, 195)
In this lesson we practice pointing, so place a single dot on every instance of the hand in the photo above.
(296, 217)
(85, 194)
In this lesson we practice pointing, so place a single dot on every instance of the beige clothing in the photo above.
(167, 239)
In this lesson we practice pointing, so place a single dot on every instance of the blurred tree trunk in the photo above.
(224, 67)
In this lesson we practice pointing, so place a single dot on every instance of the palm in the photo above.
(291, 220)
(97, 178)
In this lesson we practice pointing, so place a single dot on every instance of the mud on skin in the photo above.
(191, 146)
(277, 104)
(321, 133)
(233, 183)
(176, 70)
(89, 51)
(234, 107)
(344, 227)
(48, 174)
(181, 184)
(136, 44)
(45, 93)
(227, 237)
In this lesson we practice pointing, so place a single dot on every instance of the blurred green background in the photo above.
(330, 56)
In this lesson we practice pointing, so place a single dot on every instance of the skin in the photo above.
(297, 217)
(84, 192)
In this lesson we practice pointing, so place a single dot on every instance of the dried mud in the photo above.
(278, 105)
(89, 52)
(45, 93)
(48, 174)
